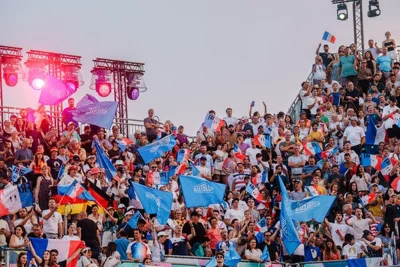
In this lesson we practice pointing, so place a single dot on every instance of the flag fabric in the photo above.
(265, 254)
(104, 162)
(329, 153)
(61, 171)
(71, 205)
(101, 197)
(369, 199)
(86, 100)
(194, 169)
(238, 153)
(386, 167)
(18, 171)
(396, 184)
(199, 192)
(135, 219)
(254, 192)
(262, 225)
(213, 123)
(54, 91)
(312, 148)
(288, 232)
(262, 140)
(75, 190)
(231, 257)
(157, 148)
(312, 190)
(131, 191)
(374, 161)
(328, 37)
(364, 262)
(182, 154)
(212, 262)
(155, 201)
(14, 198)
(101, 114)
(66, 248)
(374, 135)
(314, 208)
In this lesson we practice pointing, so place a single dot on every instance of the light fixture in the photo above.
(12, 71)
(36, 74)
(342, 13)
(72, 77)
(10, 76)
(101, 82)
(373, 9)
(135, 85)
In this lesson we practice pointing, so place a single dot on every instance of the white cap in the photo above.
(130, 208)
(162, 234)
(119, 162)
(121, 206)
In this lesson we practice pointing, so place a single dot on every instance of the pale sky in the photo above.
(199, 55)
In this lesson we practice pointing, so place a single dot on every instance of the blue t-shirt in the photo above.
(347, 64)
(311, 253)
(68, 116)
(385, 63)
(122, 244)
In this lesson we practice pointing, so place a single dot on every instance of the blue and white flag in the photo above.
(61, 171)
(135, 219)
(14, 198)
(199, 192)
(311, 208)
(155, 201)
(231, 257)
(212, 262)
(157, 148)
(289, 235)
(194, 169)
(54, 91)
(18, 172)
(101, 114)
(374, 135)
(364, 262)
(86, 100)
(265, 254)
(104, 162)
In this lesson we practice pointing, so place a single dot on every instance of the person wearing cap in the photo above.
(355, 134)
(69, 134)
(372, 244)
(54, 162)
(86, 259)
(63, 154)
(93, 176)
(76, 149)
(72, 174)
(204, 171)
(158, 249)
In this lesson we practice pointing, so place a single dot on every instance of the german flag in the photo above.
(71, 206)
(101, 197)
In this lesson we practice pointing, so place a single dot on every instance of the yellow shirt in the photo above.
(315, 135)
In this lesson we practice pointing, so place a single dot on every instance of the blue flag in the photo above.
(121, 145)
(180, 155)
(311, 208)
(194, 169)
(104, 162)
(61, 171)
(135, 219)
(212, 262)
(101, 114)
(86, 100)
(157, 148)
(289, 235)
(18, 172)
(265, 254)
(199, 192)
(155, 201)
(131, 190)
(231, 257)
(54, 91)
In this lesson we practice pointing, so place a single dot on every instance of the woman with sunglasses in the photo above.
(386, 237)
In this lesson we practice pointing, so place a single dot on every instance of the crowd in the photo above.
(348, 88)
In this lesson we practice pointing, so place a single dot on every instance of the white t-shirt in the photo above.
(342, 228)
(230, 120)
(28, 225)
(359, 226)
(3, 224)
(252, 152)
(234, 214)
(354, 135)
(304, 99)
(352, 251)
(50, 226)
(311, 101)
(204, 170)
(70, 238)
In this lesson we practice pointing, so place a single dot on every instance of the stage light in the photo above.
(135, 85)
(12, 71)
(103, 89)
(342, 13)
(72, 85)
(37, 83)
(373, 9)
(133, 93)
(72, 77)
(10, 78)
(36, 74)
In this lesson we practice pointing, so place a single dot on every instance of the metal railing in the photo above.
(10, 256)
(295, 107)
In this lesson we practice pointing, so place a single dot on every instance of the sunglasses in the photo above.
(219, 257)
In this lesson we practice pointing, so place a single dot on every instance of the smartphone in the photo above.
(252, 103)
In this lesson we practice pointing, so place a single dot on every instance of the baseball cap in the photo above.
(94, 170)
(121, 206)
(203, 158)
(162, 234)
(119, 162)
(86, 249)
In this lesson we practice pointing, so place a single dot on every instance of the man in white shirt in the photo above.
(355, 134)
(234, 213)
(52, 221)
(304, 95)
(338, 229)
(252, 152)
(204, 171)
(347, 150)
(314, 102)
(353, 249)
(230, 119)
(359, 224)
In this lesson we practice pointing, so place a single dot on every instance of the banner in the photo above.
(101, 114)
(104, 162)
(199, 192)
(311, 208)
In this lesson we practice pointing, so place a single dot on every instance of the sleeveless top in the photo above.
(389, 48)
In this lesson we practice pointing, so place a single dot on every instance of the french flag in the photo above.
(369, 199)
(387, 166)
(238, 153)
(374, 161)
(328, 37)
(182, 154)
(262, 140)
(66, 249)
(254, 192)
(213, 123)
(122, 144)
(312, 190)
(364, 262)
(374, 135)
(75, 190)
(262, 225)
(396, 184)
(329, 153)
(312, 148)
(14, 198)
